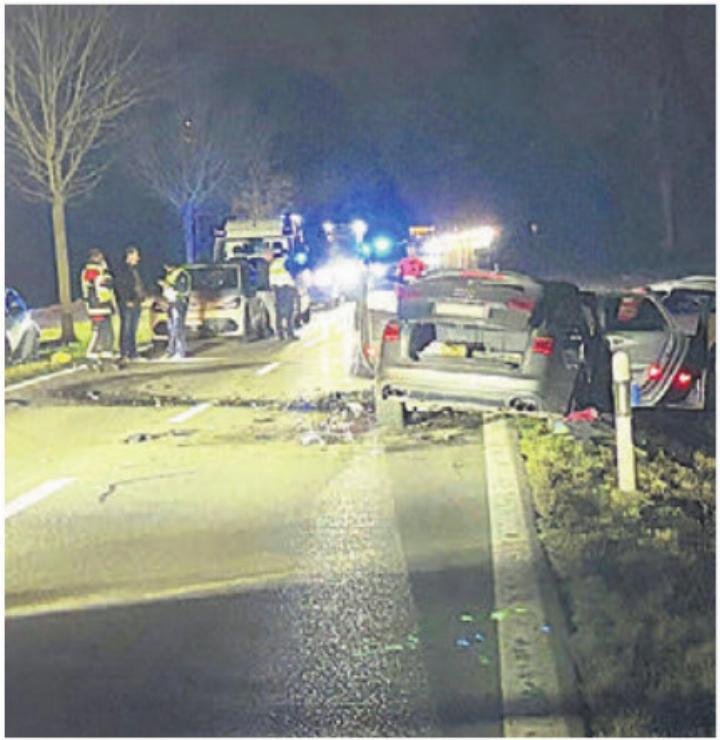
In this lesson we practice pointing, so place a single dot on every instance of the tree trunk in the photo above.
(188, 232)
(62, 263)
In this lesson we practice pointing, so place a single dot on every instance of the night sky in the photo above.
(438, 114)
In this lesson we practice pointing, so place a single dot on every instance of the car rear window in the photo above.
(633, 313)
(214, 278)
(688, 302)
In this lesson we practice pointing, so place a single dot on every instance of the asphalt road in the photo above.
(182, 559)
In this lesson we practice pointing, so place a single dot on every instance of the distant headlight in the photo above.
(324, 277)
(348, 272)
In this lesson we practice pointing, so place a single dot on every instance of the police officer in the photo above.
(176, 292)
(96, 283)
(285, 291)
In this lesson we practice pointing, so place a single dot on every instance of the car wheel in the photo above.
(390, 413)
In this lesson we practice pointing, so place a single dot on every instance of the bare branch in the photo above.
(68, 81)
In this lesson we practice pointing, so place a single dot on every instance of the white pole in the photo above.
(623, 422)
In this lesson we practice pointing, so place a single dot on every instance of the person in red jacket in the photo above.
(411, 267)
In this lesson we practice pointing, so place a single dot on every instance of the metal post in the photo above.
(623, 422)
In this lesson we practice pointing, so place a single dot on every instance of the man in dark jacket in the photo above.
(131, 293)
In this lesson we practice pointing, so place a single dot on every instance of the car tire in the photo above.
(390, 413)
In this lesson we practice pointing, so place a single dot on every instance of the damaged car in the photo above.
(501, 340)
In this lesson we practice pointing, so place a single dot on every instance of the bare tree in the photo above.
(185, 157)
(265, 191)
(67, 82)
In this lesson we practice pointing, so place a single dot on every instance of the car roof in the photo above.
(693, 282)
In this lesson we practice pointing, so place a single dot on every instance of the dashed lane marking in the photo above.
(41, 379)
(313, 342)
(267, 368)
(35, 495)
(189, 413)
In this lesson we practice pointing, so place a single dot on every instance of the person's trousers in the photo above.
(268, 299)
(285, 296)
(177, 345)
(102, 337)
(129, 319)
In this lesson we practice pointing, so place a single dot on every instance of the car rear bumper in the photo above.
(428, 388)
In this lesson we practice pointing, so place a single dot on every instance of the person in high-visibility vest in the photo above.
(96, 283)
(285, 290)
(176, 291)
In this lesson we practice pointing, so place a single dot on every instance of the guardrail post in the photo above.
(623, 422)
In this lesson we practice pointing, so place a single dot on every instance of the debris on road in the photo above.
(114, 485)
(310, 438)
(588, 414)
(147, 436)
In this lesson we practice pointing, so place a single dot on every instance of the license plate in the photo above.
(452, 350)
(469, 310)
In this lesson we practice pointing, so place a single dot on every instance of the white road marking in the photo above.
(41, 379)
(313, 342)
(267, 368)
(189, 413)
(37, 494)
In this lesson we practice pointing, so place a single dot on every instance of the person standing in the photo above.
(96, 283)
(411, 267)
(285, 291)
(176, 292)
(131, 294)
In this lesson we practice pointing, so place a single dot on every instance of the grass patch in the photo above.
(638, 575)
(49, 339)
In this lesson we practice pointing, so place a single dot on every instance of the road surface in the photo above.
(185, 557)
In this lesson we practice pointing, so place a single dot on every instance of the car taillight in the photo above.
(391, 332)
(543, 346)
(654, 372)
(521, 304)
(682, 381)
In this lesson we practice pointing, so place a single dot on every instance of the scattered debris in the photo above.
(462, 642)
(112, 487)
(93, 395)
(310, 438)
(147, 436)
(60, 358)
(559, 427)
(466, 618)
(16, 402)
(588, 414)
(545, 628)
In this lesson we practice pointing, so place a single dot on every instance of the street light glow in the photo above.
(383, 244)
(359, 229)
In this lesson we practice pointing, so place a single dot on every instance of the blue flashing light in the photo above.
(383, 244)
(301, 258)
(366, 249)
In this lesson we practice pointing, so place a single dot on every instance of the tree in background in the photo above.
(184, 154)
(68, 82)
(265, 192)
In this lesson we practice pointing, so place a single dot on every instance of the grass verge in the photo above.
(66, 354)
(637, 573)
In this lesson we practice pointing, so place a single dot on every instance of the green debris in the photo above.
(466, 617)
(499, 614)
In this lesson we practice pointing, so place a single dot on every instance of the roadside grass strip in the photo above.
(36, 495)
(535, 702)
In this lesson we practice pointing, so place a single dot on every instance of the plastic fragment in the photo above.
(588, 414)
(545, 627)
(462, 642)
(466, 617)
(311, 438)
(479, 637)
(499, 614)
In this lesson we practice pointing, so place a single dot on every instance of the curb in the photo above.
(539, 698)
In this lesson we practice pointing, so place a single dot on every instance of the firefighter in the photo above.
(97, 290)
(285, 291)
(176, 292)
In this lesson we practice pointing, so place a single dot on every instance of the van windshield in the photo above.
(214, 279)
